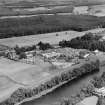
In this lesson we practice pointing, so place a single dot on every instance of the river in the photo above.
(64, 91)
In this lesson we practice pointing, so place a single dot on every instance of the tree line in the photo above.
(88, 41)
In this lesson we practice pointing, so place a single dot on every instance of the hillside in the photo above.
(75, 1)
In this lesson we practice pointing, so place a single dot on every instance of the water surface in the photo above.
(64, 91)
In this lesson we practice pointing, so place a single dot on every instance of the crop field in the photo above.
(10, 11)
(94, 10)
(98, 10)
(34, 7)
(46, 24)
(8, 7)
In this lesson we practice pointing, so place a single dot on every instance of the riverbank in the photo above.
(42, 94)
(69, 90)
(95, 88)
(21, 95)
(45, 93)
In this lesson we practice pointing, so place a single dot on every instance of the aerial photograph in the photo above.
(52, 52)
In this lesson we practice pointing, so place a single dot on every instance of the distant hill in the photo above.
(12, 1)
(77, 1)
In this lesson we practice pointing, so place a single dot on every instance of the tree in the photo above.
(22, 55)
(63, 43)
(44, 46)
(87, 36)
(17, 49)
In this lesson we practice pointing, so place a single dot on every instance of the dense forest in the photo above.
(22, 93)
(88, 41)
(16, 27)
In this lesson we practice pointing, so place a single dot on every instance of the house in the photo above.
(11, 54)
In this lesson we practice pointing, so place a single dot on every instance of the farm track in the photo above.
(10, 79)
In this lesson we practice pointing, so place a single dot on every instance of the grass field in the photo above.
(51, 38)
(14, 75)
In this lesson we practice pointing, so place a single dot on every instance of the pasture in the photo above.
(52, 38)
(16, 74)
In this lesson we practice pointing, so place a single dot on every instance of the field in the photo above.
(14, 75)
(52, 38)
(94, 10)
(46, 24)
(11, 11)
(37, 17)
(98, 10)
(10, 7)
(34, 7)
